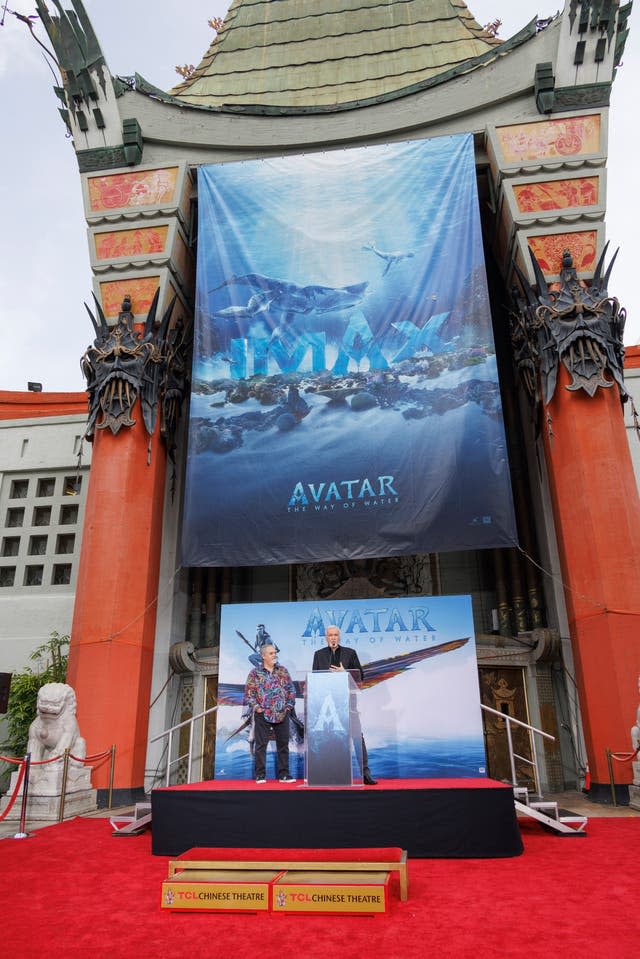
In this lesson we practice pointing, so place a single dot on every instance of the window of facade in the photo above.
(41, 515)
(15, 516)
(33, 575)
(46, 486)
(61, 575)
(68, 515)
(37, 545)
(66, 543)
(7, 575)
(19, 489)
(72, 485)
(10, 545)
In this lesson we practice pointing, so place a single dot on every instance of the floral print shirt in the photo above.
(273, 692)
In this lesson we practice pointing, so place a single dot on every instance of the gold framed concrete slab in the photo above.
(315, 891)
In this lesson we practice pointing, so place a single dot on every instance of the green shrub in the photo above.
(50, 661)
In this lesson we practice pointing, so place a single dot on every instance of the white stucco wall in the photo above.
(37, 458)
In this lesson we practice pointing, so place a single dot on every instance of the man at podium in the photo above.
(337, 658)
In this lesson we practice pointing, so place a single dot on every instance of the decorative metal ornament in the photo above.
(124, 364)
(175, 383)
(574, 324)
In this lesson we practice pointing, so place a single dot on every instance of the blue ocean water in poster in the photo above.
(419, 704)
(345, 399)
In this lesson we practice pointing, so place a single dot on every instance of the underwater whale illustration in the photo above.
(268, 293)
(390, 259)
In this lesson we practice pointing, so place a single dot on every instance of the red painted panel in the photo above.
(15, 405)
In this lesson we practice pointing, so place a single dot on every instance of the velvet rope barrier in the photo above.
(91, 759)
(625, 757)
(40, 762)
(45, 762)
(18, 785)
(55, 759)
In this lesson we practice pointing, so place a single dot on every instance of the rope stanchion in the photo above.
(111, 775)
(23, 777)
(22, 834)
(621, 758)
(17, 789)
(63, 788)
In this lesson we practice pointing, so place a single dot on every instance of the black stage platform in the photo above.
(442, 819)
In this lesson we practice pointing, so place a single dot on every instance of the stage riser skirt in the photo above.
(428, 823)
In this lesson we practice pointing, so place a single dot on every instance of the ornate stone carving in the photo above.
(55, 727)
(362, 579)
(54, 730)
(571, 323)
(124, 364)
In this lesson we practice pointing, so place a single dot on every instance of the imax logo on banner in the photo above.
(357, 343)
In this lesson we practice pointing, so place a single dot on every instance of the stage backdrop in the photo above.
(345, 399)
(420, 706)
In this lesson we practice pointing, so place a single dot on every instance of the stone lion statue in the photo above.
(55, 727)
(635, 730)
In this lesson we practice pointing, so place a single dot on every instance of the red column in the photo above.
(597, 519)
(112, 638)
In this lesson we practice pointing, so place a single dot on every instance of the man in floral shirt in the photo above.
(270, 695)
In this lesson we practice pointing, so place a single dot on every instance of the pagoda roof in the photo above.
(284, 56)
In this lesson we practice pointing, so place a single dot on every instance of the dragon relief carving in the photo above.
(571, 323)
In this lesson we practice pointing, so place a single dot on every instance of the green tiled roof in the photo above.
(310, 54)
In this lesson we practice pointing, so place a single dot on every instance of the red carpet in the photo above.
(75, 891)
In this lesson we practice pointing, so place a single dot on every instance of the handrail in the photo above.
(169, 732)
(512, 755)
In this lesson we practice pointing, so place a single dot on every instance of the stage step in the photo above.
(550, 808)
(547, 813)
(134, 824)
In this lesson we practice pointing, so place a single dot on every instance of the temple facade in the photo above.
(555, 616)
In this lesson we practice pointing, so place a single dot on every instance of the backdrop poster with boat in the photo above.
(419, 703)
(345, 399)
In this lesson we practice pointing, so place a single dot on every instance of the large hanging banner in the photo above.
(345, 399)
(419, 703)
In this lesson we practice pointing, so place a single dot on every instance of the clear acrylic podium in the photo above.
(333, 740)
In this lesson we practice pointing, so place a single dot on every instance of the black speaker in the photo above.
(5, 686)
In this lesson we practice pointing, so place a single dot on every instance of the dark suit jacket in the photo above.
(348, 659)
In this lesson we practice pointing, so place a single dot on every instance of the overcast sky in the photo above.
(44, 262)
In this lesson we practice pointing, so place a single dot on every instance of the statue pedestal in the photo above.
(45, 790)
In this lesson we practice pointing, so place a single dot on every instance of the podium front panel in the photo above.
(333, 742)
